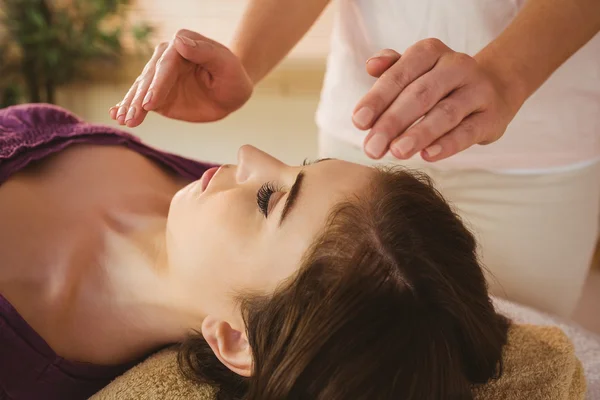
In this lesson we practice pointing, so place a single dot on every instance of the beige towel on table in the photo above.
(539, 364)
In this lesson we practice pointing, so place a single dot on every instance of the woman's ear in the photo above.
(229, 345)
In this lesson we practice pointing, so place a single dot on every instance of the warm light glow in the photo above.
(217, 19)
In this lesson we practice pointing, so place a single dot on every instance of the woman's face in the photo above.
(246, 227)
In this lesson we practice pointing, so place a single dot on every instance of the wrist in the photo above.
(508, 76)
(248, 63)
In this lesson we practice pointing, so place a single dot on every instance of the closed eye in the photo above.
(307, 161)
(263, 197)
(267, 190)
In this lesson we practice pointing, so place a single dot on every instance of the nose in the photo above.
(256, 164)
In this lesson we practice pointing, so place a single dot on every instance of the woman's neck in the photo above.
(137, 303)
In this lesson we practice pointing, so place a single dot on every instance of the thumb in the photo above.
(200, 52)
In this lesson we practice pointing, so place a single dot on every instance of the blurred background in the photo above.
(278, 119)
(84, 54)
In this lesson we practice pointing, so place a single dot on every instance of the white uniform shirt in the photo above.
(557, 128)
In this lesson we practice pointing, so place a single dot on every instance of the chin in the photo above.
(178, 201)
(185, 201)
(191, 191)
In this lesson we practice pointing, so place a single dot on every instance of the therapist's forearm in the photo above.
(542, 36)
(270, 29)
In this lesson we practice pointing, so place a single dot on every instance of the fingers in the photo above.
(136, 113)
(414, 102)
(443, 117)
(189, 46)
(189, 56)
(418, 60)
(430, 100)
(152, 87)
(470, 131)
(130, 110)
(381, 62)
(164, 76)
(113, 112)
(162, 72)
(123, 107)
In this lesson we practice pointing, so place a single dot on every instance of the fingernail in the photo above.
(434, 150)
(405, 145)
(130, 114)
(122, 111)
(376, 55)
(147, 99)
(377, 145)
(363, 117)
(187, 41)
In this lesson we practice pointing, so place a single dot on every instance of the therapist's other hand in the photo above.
(191, 78)
(459, 101)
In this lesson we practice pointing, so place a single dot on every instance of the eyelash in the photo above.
(263, 196)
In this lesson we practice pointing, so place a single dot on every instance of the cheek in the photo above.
(278, 258)
(211, 235)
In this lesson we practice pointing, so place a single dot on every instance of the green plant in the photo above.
(45, 44)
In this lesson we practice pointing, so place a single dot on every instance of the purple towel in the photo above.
(29, 368)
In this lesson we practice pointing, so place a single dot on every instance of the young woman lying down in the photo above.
(325, 281)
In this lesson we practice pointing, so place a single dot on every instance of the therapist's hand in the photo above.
(461, 103)
(191, 78)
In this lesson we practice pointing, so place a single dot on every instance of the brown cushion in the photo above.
(539, 363)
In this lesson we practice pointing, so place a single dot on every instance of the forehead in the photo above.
(339, 176)
(325, 184)
(330, 182)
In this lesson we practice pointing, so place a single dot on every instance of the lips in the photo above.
(207, 177)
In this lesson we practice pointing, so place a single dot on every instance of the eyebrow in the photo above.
(292, 198)
(290, 201)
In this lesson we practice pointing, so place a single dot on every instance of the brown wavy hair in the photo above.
(390, 303)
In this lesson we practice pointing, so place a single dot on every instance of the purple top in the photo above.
(29, 368)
